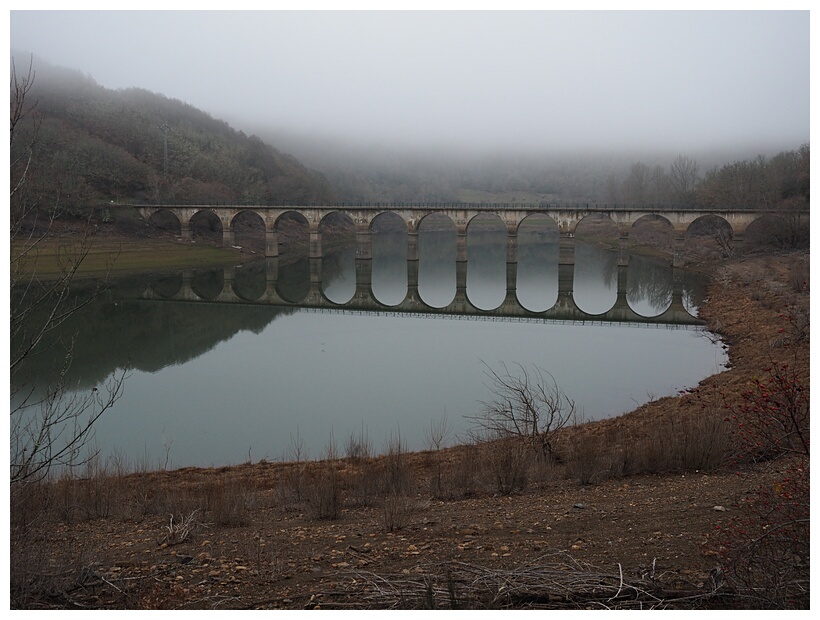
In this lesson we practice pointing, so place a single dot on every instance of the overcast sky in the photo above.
(542, 79)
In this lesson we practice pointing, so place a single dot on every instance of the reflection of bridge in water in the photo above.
(565, 309)
(565, 218)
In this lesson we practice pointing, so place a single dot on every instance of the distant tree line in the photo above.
(778, 182)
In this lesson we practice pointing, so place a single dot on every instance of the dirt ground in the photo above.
(582, 545)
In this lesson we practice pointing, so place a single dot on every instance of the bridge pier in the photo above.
(315, 242)
(566, 248)
(412, 280)
(413, 245)
(364, 278)
(620, 297)
(315, 271)
(566, 284)
(679, 246)
(364, 243)
(271, 243)
(623, 247)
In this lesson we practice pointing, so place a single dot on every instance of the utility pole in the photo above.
(165, 129)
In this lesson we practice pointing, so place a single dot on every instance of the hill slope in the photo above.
(96, 145)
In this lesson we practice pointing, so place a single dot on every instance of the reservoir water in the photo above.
(230, 365)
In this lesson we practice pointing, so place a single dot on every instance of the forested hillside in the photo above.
(96, 145)
(731, 179)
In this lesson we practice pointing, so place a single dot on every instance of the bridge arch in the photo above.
(486, 250)
(773, 229)
(336, 231)
(165, 219)
(250, 281)
(438, 241)
(206, 224)
(389, 250)
(247, 229)
(168, 285)
(208, 284)
(537, 268)
(653, 230)
(649, 286)
(708, 235)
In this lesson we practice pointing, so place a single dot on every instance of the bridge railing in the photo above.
(480, 206)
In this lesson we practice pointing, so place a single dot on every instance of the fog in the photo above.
(472, 81)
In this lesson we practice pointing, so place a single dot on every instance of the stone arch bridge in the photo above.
(566, 217)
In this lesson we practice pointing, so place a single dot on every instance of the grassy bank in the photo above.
(52, 256)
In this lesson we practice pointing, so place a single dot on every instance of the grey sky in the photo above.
(542, 79)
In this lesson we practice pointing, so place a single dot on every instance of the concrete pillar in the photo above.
(315, 272)
(364, 278)
(623, 247)
(461, 244)
(272, 269)
(364, 243)
(413, 246)
(228, 237)
(678, 249)
(566, 281)
(461, 283)
(512, 277)
(566, 248)
(315, 242)
(185, 231)
(186, 292)
(413, 273)
(677, 291)
(512, 244)
(271, 243)
(620, 298)
(228, 275)
(512, 258)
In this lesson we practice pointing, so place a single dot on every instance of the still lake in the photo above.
(214, 381)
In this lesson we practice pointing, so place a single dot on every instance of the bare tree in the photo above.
(636, 184)
(49, 426)
(525, 403)
(683, 177)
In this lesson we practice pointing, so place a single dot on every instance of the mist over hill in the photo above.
(96, 145)
(373, 171)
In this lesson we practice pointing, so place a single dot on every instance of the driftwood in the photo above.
(556, 581)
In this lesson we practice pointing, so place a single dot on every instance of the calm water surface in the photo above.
(213, 383)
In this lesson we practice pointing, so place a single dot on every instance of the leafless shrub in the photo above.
(396, 476)
(694, 443)
(467, 468)
(362, 484)
(180, 527)
(507, 462)
(291, 487)
(526, 403)
(358, 448)
(229, 500)
(325, 489)
(397, 511)
(590, 459)
(436, 437)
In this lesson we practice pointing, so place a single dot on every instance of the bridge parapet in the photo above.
(567, 218)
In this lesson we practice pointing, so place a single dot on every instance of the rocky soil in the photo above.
(253, 536)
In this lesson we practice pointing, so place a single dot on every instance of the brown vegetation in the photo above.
(641, 510)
